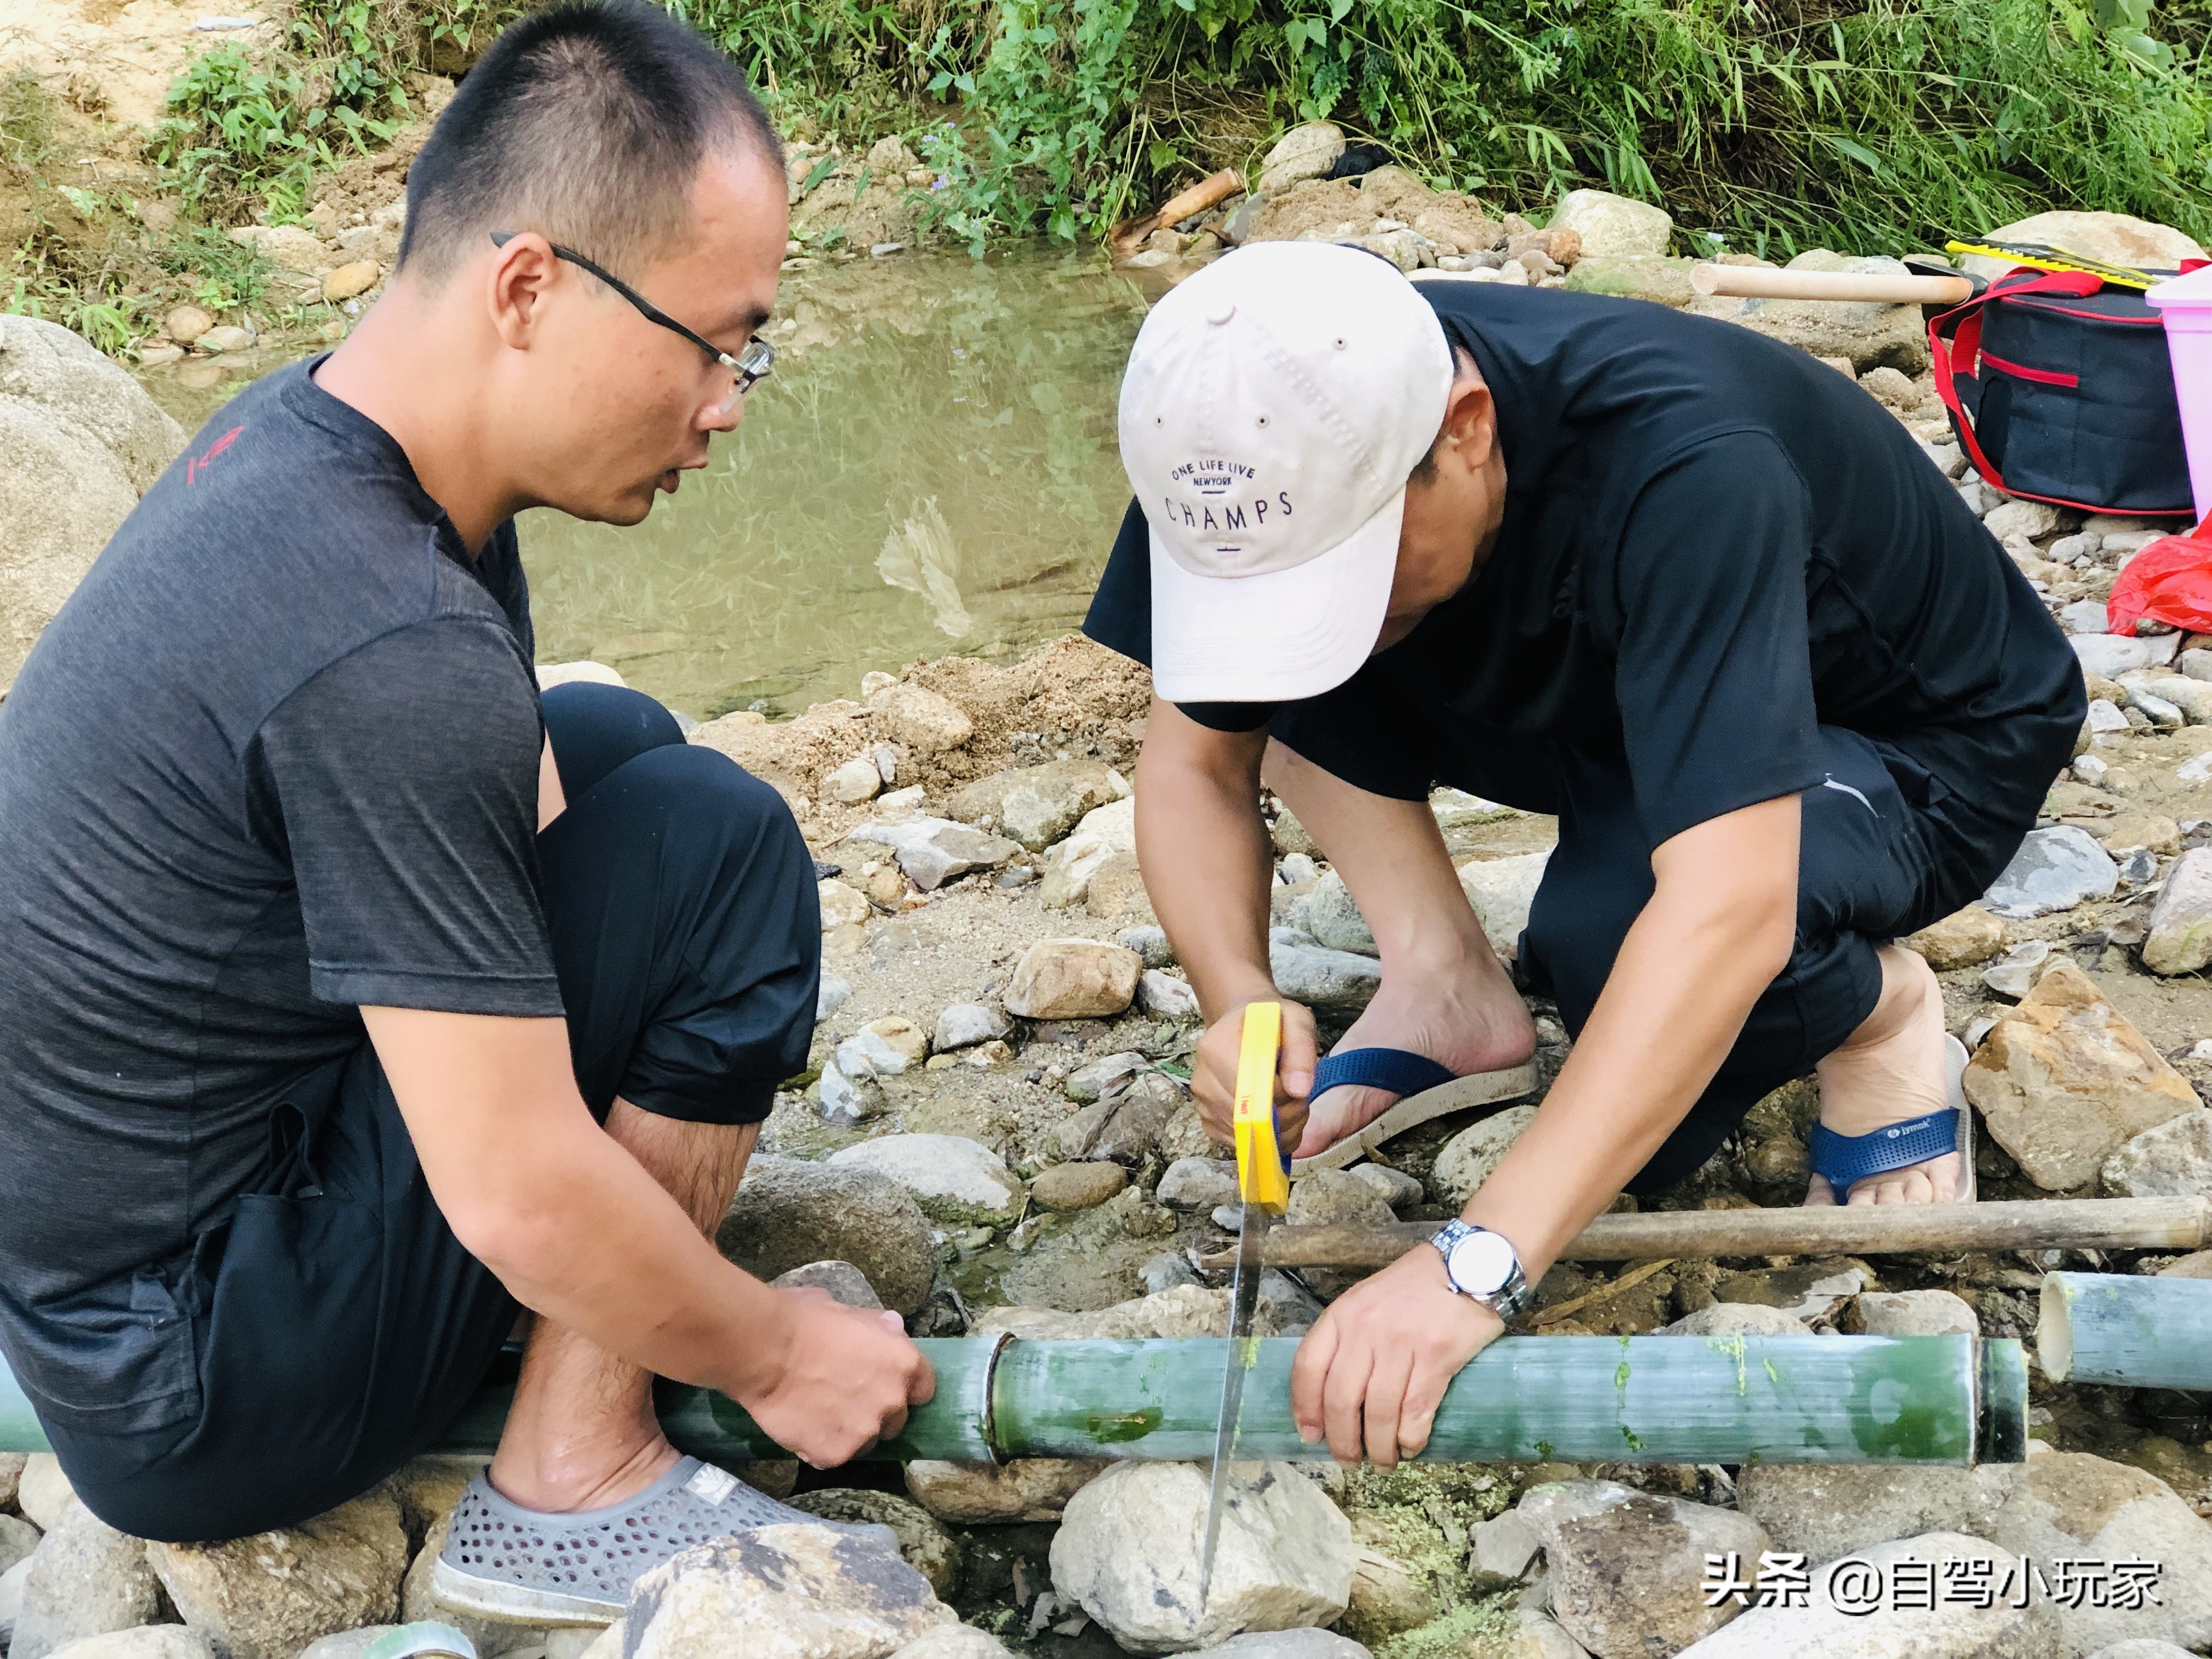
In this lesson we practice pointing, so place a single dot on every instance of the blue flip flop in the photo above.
(1844, 1160)
(1427, 1090)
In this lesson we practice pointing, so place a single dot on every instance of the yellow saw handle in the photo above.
(1263, 1168)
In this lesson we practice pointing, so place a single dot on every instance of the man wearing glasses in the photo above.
(348, 998)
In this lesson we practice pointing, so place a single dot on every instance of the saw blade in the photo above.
(1243, 1350)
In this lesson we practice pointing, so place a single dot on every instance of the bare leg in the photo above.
(1444, 993)
(1891, 1071)
(581, 1433)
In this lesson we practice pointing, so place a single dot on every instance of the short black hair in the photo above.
(587, 124)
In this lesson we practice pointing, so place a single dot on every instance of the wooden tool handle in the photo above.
(1758, 282)
(1262, 1172)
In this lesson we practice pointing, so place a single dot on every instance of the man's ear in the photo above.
(1470, 427)
(520, 276)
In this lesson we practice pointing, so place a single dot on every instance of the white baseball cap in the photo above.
(1275, 406)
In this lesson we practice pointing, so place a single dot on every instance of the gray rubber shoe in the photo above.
(504, 1562)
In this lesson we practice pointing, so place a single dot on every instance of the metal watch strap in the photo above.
(1510, 1300)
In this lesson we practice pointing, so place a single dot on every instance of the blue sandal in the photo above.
(1844, 1160)
(1426, 1089)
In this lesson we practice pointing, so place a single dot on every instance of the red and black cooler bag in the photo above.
(2060, 390)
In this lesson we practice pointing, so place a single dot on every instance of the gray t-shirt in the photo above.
(277, 757)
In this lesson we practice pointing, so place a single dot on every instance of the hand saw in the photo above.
(1263, 1184)
(2039, 256)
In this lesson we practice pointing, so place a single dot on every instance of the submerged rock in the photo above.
(2064, 1079)
(783, 1592)
(1127, 1553)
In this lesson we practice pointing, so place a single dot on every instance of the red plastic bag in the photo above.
(2170, 581)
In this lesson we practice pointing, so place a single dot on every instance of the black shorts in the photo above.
(1885, 850)
(339, 1325)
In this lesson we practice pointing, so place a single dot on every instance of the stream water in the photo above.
(931, 468)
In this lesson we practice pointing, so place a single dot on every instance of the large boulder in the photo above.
(785, 1592)
(267, 1596)
(929, 1549)
(788, 1212)
(1610, 224)
(1304, 152)
(146, 1642)
(84, 1579)
(84, 443)
(2118, 239)
(1625, 1565)
(2064, 1080)
(1127, 1553)
(957, 1181)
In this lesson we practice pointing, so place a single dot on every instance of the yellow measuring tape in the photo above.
(1261, 1178)
(2040, 256)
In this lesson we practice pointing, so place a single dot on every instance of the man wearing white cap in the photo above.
(1687, 589)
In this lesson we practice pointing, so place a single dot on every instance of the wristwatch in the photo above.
(1483, 1267)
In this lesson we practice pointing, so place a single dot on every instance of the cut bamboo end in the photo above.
(2139, 1332)
(2093, 1224)
(1758, 282)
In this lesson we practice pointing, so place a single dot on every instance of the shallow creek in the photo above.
(931, 468)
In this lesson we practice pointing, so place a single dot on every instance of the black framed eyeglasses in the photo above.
(752, 364)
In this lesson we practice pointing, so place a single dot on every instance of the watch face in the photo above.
(1482, 1263)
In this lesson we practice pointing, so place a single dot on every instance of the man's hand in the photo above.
(1213, 1071)
(1373, 1370)
(847, 1378)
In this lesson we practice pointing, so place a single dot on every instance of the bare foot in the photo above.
(1470, 1019)
(1891, 1071)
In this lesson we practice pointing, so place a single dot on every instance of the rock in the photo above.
(1918, 1313)
(1633, 277)
(855, 781)
(1150, 942)
(229, 337)
(954, 1179)
(784, 1592)
(1127, 1549)
(1114, 823)
(1738, 1319)
(1398, 1188)
(1116, 889)
(1168, 1270)
(1388, 1597)
(2141, 1648)
(1139, 1118)
(289, 247)
(2174, 1160)
(1505, 1549)
(2084, 616)
(1036, 805)
(186, 324)
(43, 1492)
(1623, 1566)
(551, 674)
(849, 1090)
(1952, 1629)
(1327, 1197)
(1456, 225)
(1198, 1184)
(925, 721)
(1960, 940)
(984, 1494)
(1284, 1644)
(932, 851)
(843, 1281)
(2022, 521)
(356, 277)
(2116, 238)
(146, 1642)
(1823, 1511)
(2055, 869)
(1072, 979)
(83, 441)
(1308, 971)
(788, 1212)
(1610, 224)
(1304, 152)
(267, 1596)
(1501, 891)
(2072, 1506)
(1164, 996)
(2064, 1079)
(955, 1641)
(11, 1597)
(1467, 1159)
(1068, 869)
(1079, 1185)
(1333, 918)
(2191, 696)
(928, 1548)
(841, 904)
(1186, 1310)
(1867, 335)
(892, 1043)
(2013, 974)
(2179, 937)
(84, 1579)
(18, 1539)
(2155, 830)
(964, 1024)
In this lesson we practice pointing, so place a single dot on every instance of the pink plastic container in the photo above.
(2185, 306)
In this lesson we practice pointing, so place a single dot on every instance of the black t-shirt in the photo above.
(1713, 544)
(277, 757)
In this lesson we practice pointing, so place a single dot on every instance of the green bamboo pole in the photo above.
(2146, 1332)
(1932, 1400)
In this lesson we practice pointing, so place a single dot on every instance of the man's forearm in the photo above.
(1699, 955)
(1206, 861)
